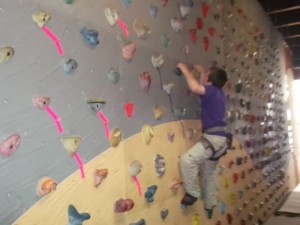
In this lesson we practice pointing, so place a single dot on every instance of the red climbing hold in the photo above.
(206, 43)
(193, 35)
(211, 31)
(205, 8)
(199, 23)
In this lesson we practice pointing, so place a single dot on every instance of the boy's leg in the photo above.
(189, 167)
(209, 182)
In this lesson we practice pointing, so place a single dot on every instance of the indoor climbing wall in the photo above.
(80, 76)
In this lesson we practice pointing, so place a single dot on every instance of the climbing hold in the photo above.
(147, 133)
(238, 211)
(176, 183)
(158, 111)
(164, 2)
(129, 106)
(218, 222)
(135, 168)
(211, 31)
(205, 8)
(145, 81)
(243, 222)
(177, 71)
(95, 104)
(235, 177)
(223, 208)
(240, 194)
(71, 143)
(171, 136)
(115, 137)
(196, 219)
(176, 24)
(141, 29)
(112, 15)
(70, 65)
(232, 198)
(149, 194)
(127, 3)
(157, 60)
(41, 18)
(76, 218)
(199, 23)
(239, 161)
(189, 133)
(140, 222)
(160, 165)
(10, 145)
(123, 205)
(45, 185)
(179, 111)
(250, 216)
(217, 17)
(168, 88)
(193, 35)
(229, 218)
(153, 10)
(113, 75)
(165, 41)
(164, 213)
(90, 36)
(5, 54)
(68, 1)
(128, 51)
(99, 175)
(206, 43)
(40, 101)
(226, 182)
(184, 10)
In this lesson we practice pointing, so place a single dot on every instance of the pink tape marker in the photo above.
(105, 123)
(54, 39)
(80, 164)
(55, 118)
(138, 184)
(123, 27)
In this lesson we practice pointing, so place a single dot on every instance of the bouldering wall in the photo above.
(71, 75)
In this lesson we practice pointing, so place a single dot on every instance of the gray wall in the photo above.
(36, 69)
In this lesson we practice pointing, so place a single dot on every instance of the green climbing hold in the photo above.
(69, 1)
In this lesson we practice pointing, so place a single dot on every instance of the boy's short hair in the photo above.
(217, 76)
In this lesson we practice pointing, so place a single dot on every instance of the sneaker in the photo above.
(188, 199)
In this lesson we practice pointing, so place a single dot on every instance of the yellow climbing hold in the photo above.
(196, 219)
(147, 133)
(41, 18)
(71, 143)
(5, 54)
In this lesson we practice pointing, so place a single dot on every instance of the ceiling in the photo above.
(285, 15)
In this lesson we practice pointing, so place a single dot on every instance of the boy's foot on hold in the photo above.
(209, 212)
(188, 200)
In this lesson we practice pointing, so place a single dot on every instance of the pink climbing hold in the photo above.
(193, 35)
(206, 43)
(199, 23)
(10, 145)
(211, 31)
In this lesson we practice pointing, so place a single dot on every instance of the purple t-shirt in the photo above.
(213, 107)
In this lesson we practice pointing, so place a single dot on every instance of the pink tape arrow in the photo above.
(56, 119)
(56, 41)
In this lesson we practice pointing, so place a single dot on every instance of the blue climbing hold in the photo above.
(90, 36)
(140, 222)
(239, 160)
(223, 208)
(70, 65)
(149, 194)
(76, 218)
(127, 3)
(153, 10)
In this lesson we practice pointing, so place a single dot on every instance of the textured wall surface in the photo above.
(36, 69)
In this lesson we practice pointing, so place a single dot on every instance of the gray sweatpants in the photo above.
(194, 162)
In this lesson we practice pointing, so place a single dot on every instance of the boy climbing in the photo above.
(204, 155)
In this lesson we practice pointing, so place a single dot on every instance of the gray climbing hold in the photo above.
(70, 65)
(164, 213)
(153, 10)
(68, 1)
(140, 222)
(5, 54)
(95, 104)
(90, 36)
(113, 75)
(160, 165)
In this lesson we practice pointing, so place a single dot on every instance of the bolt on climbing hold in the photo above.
(45, 185)
(149, 194)
(10, 145)
(6, 54)
(99, 175)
